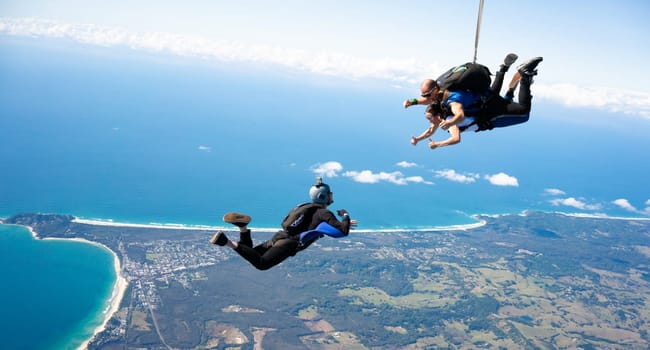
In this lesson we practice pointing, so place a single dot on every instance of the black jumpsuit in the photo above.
(282, 245)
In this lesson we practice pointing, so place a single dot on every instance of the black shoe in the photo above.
(219, 238)
(528, 68)
(510, 59)
(239, 220)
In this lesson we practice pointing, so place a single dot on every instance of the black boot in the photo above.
(219, 238)
(528, 68)
(245, 238)
(508, 61)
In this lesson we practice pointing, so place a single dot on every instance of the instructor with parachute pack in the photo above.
(302, 226)
(464, 92)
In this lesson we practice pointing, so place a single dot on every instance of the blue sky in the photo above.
(592, 49)
(594, 57)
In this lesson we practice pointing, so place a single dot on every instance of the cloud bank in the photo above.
(326, 63)
(554, 196)
(398, 72)
(612, 100)
(334, 169)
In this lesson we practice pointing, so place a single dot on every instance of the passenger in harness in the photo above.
(302, 226)
(483, 111)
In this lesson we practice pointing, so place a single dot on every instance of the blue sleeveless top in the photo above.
(470, 100)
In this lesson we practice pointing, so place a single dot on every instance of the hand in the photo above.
(408, 103)
(444, 125)
(432, 144)
(414, 141)
(342, 212)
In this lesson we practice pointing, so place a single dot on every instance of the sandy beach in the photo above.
(460, 227)
(119, 288)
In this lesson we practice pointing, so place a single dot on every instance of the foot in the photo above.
(239, 220)
(528, 68)
(219, 238)
(510, 59)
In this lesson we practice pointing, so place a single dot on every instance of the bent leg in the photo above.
(268, 254)
(498, 81)
(508, 120)
(245, 238)
(525, 98)
(523, 106)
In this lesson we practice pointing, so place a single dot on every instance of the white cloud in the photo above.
(396, 71)
(333, 168)
(625, 204)
(613, 100)
(405, 164)
(329, 169)
(418, 179)
(554, 192)
(396, 177)
(575, 203)
(367, 176)
(205, 148)
(327, 63)
(452, 175)
(502, 179)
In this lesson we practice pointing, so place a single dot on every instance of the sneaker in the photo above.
(510, 59)
(219, 238)
(239, 220)
(528, 67)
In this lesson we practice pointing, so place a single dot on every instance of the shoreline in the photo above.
(458, 227)
(111, 223)
(121, 284)
(454, 227)
(119, 287)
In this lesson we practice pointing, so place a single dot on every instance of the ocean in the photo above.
(115, 135)
(55, 291)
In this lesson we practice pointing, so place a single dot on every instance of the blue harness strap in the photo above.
(321, 230)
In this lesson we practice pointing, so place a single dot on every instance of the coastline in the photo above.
(99, 222)
(112, 305)
(459, 227)
(119, 287)
(121, 284)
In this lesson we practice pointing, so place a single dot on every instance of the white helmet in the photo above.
(320, 192)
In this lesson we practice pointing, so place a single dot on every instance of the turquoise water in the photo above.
(54, 292)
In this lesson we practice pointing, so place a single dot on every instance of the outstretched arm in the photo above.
(417, 101)
(454, 138)
(427, 133)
